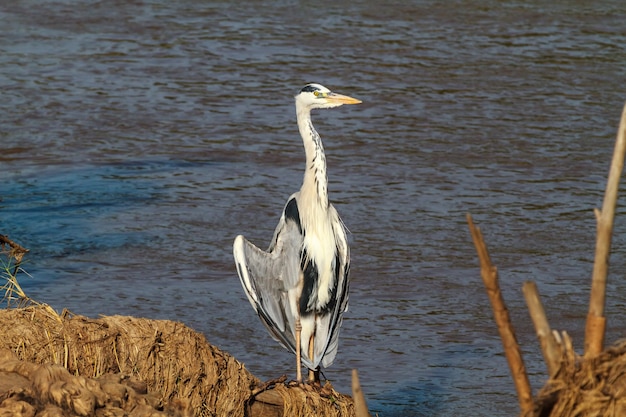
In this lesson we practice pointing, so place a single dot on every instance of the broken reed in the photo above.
(512, 349)
(11, 258)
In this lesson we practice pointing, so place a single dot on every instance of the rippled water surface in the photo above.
(139, 138)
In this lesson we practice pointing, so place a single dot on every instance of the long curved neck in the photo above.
(315, 184)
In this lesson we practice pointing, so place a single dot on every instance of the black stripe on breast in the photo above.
(333, 290)
(292, 213)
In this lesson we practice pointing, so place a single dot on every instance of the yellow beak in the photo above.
(340, 98)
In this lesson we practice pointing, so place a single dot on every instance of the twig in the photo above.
(596, 322)
(512, 350)
(548, 344)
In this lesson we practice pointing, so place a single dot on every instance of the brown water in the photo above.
(138, 138)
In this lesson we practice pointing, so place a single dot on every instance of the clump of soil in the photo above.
(70, 365)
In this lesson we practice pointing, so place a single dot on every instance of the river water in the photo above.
(138, 138)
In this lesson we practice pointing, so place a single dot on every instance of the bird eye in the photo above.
(316, 93)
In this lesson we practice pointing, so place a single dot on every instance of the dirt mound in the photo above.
(121, 365)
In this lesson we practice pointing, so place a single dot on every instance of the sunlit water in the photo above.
(139, 138)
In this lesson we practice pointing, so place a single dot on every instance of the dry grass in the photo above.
(173, 360)
(586, 387)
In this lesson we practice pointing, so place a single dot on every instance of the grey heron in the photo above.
(299, 286)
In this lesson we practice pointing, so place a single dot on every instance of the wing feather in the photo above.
(269, 277)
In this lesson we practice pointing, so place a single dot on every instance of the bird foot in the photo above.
(312, 386)
(304, 386)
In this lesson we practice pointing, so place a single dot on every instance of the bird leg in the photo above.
(314, 375)
(298, 350)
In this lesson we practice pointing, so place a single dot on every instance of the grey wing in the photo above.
(268, 276)
(333, 320)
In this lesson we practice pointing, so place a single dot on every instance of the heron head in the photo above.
(316, 96)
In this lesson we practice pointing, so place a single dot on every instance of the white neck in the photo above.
(315, 184)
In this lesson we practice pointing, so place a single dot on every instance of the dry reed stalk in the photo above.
(512, 350)
(360, 406)
(546, 338)
(596, 322)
